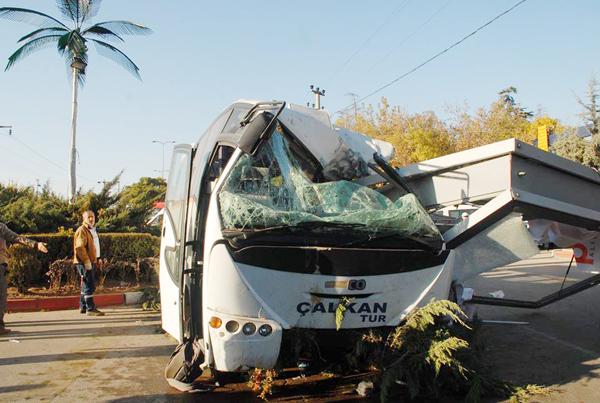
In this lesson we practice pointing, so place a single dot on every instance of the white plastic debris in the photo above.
(467, 294)
(364, 388)
(14, 341)
(497, 294)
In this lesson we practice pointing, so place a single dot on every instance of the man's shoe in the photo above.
(82, 310)
(94, 312)
(4, 330)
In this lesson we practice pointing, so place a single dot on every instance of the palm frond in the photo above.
(69, 10)
(102, 32)
(72, 44)
(109, 51)
(78, 11)
(30, 47)
(90, 8)
(32, 17)
(37, 33)
(125, 27)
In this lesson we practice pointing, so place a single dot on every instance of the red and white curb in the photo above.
(71, 302)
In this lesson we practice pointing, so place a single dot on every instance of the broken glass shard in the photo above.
(277, 187)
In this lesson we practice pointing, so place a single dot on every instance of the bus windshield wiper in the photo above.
(385, 170)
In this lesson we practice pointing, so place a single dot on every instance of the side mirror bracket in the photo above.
(258, 128)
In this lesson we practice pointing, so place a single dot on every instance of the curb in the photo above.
(71, 302)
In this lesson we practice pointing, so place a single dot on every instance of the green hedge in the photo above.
(117, 245)
(28, 266)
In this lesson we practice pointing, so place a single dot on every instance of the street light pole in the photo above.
(163, 143)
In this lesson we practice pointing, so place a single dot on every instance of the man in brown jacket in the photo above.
(6, 235)
(86, 250)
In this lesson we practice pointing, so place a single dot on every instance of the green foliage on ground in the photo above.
(431, 357)
(151, 299)
(424, 353)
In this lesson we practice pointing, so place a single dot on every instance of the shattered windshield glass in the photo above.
(276, 188)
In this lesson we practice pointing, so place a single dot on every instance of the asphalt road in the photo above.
(560, 344)
(66, 356)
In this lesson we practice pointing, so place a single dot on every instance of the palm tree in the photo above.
(71, 41)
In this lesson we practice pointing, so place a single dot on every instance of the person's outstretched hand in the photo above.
(41, 246)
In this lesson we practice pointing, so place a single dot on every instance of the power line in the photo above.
(42, 156)
(432, 58)
(37, 153)
(353, 55)
(20, 160)
(413, 33)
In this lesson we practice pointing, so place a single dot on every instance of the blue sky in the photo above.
(205, 55)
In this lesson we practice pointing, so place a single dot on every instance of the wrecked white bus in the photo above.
(275, 216)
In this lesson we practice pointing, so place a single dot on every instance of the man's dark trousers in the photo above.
(88, 286)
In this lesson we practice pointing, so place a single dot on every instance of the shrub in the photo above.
(129, 246)
(59, 269)
(120, 246)
(24, 267)
(123, 255)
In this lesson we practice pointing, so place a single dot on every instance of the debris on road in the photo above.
(365, 388)
(497, 294)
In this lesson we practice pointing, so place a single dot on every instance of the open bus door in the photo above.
(173, 240)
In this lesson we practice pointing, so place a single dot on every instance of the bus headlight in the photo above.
(265, 330)
(232, 326)
(249, 328)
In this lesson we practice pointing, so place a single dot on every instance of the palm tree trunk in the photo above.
(73, 154)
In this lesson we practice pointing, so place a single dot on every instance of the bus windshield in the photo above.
(276, 189)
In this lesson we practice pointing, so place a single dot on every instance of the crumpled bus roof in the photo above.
(333, 147)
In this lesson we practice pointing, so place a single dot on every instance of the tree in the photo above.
(504, 119)
(571, 147)
(25, 210)
(591, 109)
(415, 137)
(71, 42)
(134, 206)
(507, 96)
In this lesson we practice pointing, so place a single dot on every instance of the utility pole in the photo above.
(9, 129)
(354, 97)
(164, 143)
(318, 94)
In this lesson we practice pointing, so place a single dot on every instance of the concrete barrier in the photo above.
(133, 298)
(62, 303)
